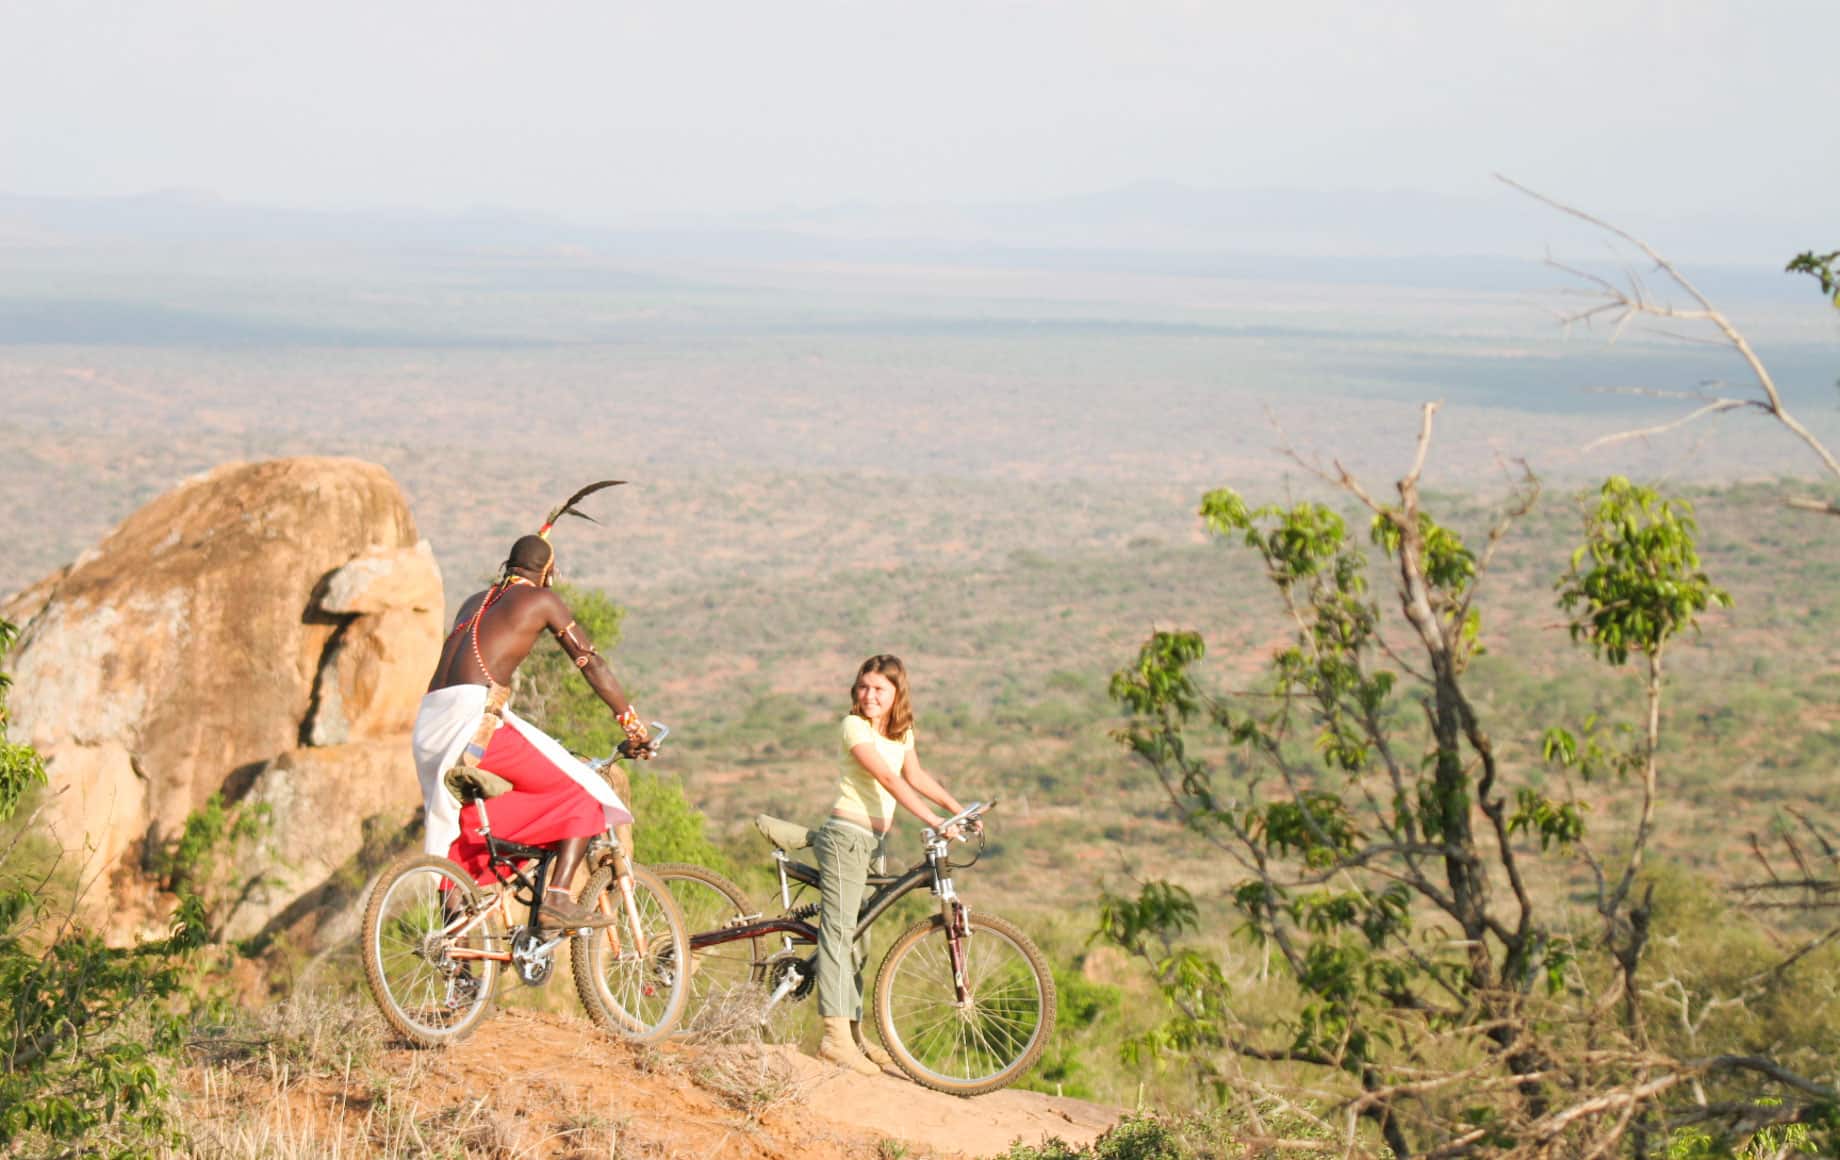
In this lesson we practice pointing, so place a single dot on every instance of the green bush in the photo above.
(668, 827)
(82, 1024)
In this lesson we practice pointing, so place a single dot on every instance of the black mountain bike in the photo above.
(435, 941)
(963, 999)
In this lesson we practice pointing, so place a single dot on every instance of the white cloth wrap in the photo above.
(444, 724)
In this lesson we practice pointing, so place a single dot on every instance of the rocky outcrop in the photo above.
(263, 632)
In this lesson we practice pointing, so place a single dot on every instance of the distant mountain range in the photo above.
(1393, 236)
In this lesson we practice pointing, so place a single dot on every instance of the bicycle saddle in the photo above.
(470, 783)
(783, 834)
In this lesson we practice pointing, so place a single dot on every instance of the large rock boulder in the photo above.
(254, 611)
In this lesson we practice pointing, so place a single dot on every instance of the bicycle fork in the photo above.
(957, 918)
(958, 934)
(622, 875)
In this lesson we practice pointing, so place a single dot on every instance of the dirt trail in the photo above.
(895, 1106)
(535, 1084)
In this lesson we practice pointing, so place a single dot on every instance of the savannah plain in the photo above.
(988, 464)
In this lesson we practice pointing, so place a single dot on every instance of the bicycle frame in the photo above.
(503, 857)
(887, 891)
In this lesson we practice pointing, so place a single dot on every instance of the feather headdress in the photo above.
(567, 507)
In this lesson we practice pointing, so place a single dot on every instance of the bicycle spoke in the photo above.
(635, 995)
(419, 913)
(981, 1041)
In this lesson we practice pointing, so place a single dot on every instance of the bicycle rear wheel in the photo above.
(630, 975)
(711, 902)
(414, 924)
(993, 1036)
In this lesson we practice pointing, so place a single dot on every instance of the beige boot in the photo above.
(839, 1048)
(872, 1050)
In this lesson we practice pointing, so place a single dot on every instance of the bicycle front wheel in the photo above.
(630, 975)
(985, 1040)
(422, 927)
(710, 904)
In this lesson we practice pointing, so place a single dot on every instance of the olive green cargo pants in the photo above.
(845, 854)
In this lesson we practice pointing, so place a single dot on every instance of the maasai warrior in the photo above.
(464, 720)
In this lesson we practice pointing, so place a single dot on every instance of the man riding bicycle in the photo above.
(464, 720)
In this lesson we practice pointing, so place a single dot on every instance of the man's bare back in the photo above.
(520, 612)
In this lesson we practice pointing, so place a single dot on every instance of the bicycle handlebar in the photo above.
(970, 813)
(660, 731)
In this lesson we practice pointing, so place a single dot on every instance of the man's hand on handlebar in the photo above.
(637, 750)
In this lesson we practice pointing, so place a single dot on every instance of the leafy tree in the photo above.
(1399, 863)
(1820, 267)
(81, 1022)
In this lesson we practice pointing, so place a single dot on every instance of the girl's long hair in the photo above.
(900, 716)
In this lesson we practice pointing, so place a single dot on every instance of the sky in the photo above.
(609, 112)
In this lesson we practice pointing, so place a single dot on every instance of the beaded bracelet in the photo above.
(635, 729)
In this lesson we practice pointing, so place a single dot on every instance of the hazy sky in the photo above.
(601, 110)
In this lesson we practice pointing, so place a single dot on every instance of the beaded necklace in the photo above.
(492, 597)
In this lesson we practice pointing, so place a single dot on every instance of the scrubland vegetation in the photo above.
(1248, 916)
(1012, 659)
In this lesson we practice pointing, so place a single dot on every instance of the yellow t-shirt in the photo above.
(857, 791)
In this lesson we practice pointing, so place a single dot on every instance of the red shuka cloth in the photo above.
(544, 806)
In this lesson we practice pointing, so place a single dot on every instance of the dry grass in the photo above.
(736, 1062)
(752, 1078)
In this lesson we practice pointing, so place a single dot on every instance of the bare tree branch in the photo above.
(1636, 301)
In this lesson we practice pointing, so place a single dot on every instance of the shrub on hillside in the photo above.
(1409, 875)
(81, 1023)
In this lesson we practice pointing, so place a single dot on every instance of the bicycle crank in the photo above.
(532, 957)
(792, 977)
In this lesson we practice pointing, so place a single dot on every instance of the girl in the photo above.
(880, 770)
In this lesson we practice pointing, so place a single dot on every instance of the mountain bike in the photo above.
(963, 999)
(435, 941)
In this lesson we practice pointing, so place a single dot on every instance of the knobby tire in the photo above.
(710, 902)
(428, 1002)
(979, 1048)
(640, 998)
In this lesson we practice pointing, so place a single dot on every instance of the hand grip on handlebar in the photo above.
(970, 813)
(660, 731)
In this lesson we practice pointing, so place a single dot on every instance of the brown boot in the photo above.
(560, 913)
(872, 1051)
(839, 1048)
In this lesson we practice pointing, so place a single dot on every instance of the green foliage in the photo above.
(1644, 582)
(667, 827)
(1821, 268)
(20, 767)
(1775, 1142)
(82, 1024)
(201, 861)
(1085, 1010)
(1560, 823)
(1386, 844)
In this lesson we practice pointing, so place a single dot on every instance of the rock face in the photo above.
(255, 611)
